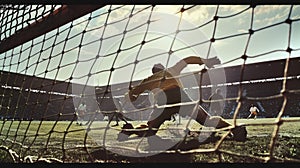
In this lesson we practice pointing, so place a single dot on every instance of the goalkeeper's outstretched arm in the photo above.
(155, 80)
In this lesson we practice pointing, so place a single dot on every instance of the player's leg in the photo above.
(202, 117)
(156, 119)
(249, 116)
(121, 116)
(117, 119)
(199, 114)
(239, 133)
(82, 118)
(159, 115)
(123, 119)
(205, 119)
(79, 117)
(195, 111)
(174, 119)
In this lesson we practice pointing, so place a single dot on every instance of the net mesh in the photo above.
(45, 78)
(17, 17)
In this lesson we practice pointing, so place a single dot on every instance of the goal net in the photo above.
(66, 70)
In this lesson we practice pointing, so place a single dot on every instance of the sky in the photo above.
(86, 68)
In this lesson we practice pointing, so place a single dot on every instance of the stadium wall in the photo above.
(34, 98)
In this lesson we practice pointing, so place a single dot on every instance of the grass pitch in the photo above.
(65, 140)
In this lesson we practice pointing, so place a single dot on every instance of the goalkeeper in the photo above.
(168, 90)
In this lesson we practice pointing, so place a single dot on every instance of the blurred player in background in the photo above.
(81, 110)
(253, 112)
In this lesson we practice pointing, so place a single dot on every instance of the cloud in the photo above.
(270, 14)
(270, 20)
(171, 9)
(242, 31)
(119, 13)
(267, 9)
(296, 12)
(225, 10)
(199, 15)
